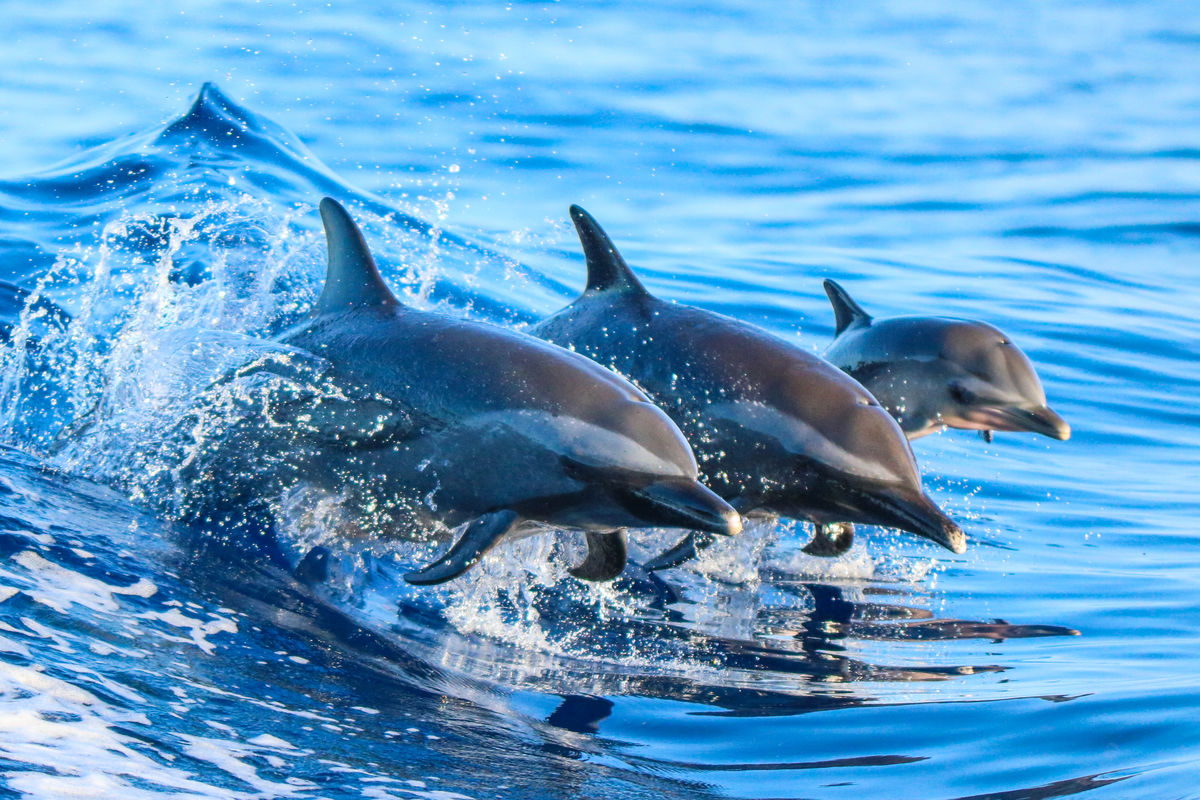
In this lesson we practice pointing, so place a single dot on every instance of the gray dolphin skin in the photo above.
(423, 420)
(936, 372)
(776, 429)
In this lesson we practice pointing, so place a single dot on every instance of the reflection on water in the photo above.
(780, 648)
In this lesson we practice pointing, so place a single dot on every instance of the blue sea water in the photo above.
(1033, 164)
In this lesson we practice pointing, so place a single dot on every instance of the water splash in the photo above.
(182, 251)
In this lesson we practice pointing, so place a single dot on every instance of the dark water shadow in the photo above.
(1064, 788)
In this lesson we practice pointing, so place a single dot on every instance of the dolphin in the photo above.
(776, 429)
(936, 372)
(424, 420)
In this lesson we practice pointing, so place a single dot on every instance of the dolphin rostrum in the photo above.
(935, 372)
(776, 429)
(421, 419)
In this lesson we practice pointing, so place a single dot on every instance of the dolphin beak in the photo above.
(1044, 421)
(918, 514)
(683, 503)
(1034, 419)
(1037, 419)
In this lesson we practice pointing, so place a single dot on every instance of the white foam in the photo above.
(60, 588)
(199, 630)
(8, 645)
(856, 564)
(229, 757)
(395, 793)
(267, 740)
(70, 744)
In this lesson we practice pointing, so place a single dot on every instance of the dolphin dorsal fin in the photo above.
(846, 312)
(351, 280)
(606, 270)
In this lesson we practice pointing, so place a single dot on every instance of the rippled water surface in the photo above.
(1034, 165)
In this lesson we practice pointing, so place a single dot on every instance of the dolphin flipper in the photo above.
(481, 535)
(831, 539)
(684, 550)
(605, 559)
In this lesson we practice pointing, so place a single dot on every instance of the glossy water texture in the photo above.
(1033, 165)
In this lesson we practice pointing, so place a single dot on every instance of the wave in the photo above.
(178, 253)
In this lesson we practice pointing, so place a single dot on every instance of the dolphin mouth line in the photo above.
(943, 530)
(725, 524)
(1040, 419)
(688, 504)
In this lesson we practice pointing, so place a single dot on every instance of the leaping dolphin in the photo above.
(936, 372)
(420, 418)
(776, 429)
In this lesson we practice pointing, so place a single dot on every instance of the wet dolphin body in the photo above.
(936, 372)
(423, 419)
(776, 429)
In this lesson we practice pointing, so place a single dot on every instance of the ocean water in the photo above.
(1033, 164)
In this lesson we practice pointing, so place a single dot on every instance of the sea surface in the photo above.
(1035, 165)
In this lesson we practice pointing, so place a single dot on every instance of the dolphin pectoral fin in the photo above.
(847, 313)
(480, 536)
(605, 559)
(830, 539)
(684, 550)
(987, 436)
